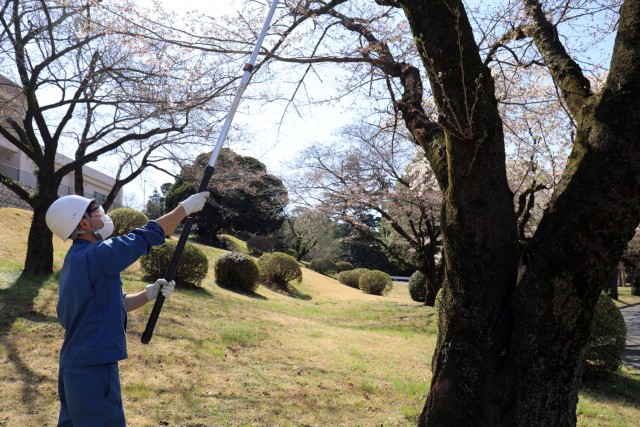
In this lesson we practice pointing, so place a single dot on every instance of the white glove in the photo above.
(195, 203)
(167, 289)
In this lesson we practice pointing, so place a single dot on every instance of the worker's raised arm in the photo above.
(168, 222)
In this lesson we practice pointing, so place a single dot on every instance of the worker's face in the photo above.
(98, 223)
(95, 222)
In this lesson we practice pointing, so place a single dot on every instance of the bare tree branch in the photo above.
(575, 88)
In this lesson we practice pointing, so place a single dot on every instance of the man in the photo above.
(92, 306)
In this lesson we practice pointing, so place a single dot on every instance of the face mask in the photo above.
(107, 227)
(106, 230)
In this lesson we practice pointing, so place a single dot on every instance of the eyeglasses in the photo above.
(90, 211)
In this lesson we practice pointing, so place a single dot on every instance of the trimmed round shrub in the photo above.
(607, 336)
(375, 282)
(322, 265)
(232, 244)
(237, 271)
(192, 267)
(418, 286)
(291, 252)
(126, 219)
(351, 278)
(343, 266)
(257, 245)
(280, 269)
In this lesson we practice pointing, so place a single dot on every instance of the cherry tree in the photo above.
(96, 81)
(516, 304)
(369, 172)
(302, 230)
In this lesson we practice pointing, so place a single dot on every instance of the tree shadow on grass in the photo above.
(290, 291)
(249, 294)
(615, 387)
(17, 296)
(625, 305)
(194, 290)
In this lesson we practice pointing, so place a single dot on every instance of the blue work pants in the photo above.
(90, 397)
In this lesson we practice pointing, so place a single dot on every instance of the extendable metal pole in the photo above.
(208, 172)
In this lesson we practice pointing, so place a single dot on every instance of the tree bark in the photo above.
(39, 260)
(478, 219)
(514, 320)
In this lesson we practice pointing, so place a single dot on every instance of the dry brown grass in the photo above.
(327, 355)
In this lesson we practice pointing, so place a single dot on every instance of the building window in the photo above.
(100, 198)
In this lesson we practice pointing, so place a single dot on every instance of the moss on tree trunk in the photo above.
(515, 318)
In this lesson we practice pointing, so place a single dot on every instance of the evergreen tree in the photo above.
(155, 205)
(244, 197)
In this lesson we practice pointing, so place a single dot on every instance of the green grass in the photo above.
(412, 388)
(138, 391)
(242, 334)
(324, 355)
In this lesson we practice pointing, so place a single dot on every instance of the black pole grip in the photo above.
(170, 274)
(173, 265)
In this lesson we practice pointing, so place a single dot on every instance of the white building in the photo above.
(16, 165)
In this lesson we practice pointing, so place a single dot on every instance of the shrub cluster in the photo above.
(126, 219)
(418, 286)
(343, 266)
(257, 245)
(237, 271)
(351, 278)
(607, 336)
(375, 282)
(323, 266)
(192, 268)
(280, 269)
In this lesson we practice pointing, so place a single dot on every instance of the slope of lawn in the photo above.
(324, 355)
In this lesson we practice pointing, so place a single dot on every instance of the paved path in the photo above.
(631, 356)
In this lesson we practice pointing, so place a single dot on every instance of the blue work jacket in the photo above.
(91, 302)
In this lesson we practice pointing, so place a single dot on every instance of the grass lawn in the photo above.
(329, 355)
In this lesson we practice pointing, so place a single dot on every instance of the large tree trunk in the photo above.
(478, 219)
(593, 216)
(514, 321)
(39, 260)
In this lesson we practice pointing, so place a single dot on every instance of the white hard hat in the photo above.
(64, 215)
